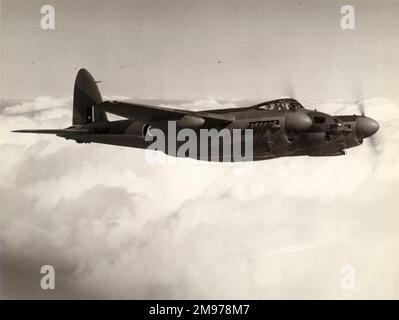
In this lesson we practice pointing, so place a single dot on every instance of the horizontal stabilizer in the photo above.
(51, 131)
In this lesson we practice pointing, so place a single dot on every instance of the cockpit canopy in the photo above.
(279, 105)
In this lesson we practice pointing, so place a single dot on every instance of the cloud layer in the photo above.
(114, 226)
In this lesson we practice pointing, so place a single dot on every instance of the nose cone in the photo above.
(298, 121)
(366, 127)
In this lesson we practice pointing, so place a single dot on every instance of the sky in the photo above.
(115, 226)
(196, 49)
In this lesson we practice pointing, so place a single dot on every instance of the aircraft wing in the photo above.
(150, 113)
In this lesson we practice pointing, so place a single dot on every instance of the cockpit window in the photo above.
(272, 106)
(293, 105)
(264, 107)
(280, 105)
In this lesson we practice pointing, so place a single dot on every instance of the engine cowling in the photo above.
(297, 122)
(189, 121)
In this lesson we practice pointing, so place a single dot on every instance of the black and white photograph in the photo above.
(199, 150)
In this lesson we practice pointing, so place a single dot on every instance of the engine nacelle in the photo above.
(297, 122)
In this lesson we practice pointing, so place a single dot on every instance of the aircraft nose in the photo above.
(366, 126)
(298, 121)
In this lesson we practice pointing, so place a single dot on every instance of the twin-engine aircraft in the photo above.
(279, 128)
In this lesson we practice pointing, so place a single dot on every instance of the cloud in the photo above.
(115, 226)
(39, 103)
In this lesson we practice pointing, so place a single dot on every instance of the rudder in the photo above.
(85, 97)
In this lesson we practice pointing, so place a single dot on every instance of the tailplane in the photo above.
(53, 131)
(86, 97)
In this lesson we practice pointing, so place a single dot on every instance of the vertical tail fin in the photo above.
(85, 97)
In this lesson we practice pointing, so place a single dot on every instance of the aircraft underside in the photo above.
(307, 144)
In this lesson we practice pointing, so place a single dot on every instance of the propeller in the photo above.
(288, 88)
(360, 101)
(360, 105)
(366, 127)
